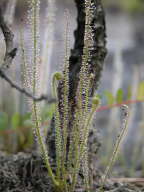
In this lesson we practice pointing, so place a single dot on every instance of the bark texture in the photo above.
(99, 50)
(98, 53)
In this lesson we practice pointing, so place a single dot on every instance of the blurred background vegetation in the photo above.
(131, 6)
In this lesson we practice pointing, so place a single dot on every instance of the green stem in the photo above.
(37, 123)
(42, 145)
(115, 151)
(79, 154)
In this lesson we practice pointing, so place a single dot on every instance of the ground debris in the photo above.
(23, 173)
(26, 173)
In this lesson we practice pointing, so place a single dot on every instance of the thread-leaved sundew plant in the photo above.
(71, 145)
(74, 108)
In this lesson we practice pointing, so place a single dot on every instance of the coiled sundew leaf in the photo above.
(120, 137)
(62, 110)
(57, 76)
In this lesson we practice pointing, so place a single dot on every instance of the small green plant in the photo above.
(119, 99)
(133, 6)
(15, 132)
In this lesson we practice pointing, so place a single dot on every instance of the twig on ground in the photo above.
(137, 181)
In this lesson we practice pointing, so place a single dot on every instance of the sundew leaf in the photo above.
(140, 91)
(110, 98)
(119, 96)
(3, 121)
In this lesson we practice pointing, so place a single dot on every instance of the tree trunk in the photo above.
(99, 49)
